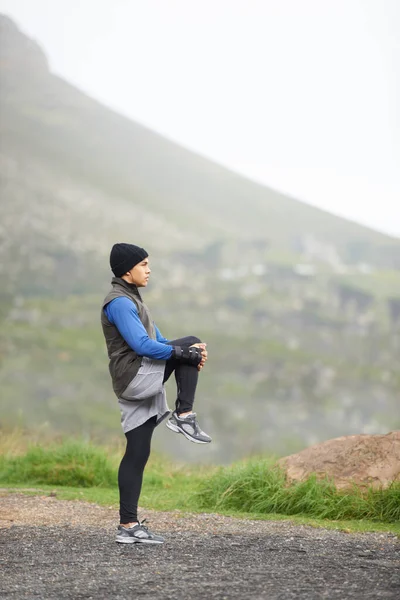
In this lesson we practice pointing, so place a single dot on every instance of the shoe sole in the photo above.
(176, 429)
(136, 541)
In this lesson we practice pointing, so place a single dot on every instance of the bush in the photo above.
(261, 487)
(70, 463)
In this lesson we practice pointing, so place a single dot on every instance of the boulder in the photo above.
(364, 460)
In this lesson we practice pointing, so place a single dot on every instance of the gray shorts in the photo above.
(147, 382)
(145, 396)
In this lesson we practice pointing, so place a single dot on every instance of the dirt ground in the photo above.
(55, 549)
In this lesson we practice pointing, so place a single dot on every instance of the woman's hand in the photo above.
(204, 354)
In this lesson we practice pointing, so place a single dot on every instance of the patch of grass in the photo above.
(90, 471)
(69, 463)
(258, 486)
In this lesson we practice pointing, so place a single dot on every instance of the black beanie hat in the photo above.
(124, 257)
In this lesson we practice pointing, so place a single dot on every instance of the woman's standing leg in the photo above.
(130, 477)
(130, 474)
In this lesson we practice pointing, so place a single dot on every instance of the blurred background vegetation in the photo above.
(300, 309)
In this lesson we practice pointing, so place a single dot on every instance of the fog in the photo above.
(303, 97)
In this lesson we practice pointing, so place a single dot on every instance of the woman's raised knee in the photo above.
(192, 339)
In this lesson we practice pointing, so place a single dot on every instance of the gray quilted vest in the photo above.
(124, 362)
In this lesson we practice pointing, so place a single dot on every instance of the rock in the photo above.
(364, 460)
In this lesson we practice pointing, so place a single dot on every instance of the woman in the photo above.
(141, 361)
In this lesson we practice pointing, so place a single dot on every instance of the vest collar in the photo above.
(130, 287)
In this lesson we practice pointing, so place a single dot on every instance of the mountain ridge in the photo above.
(300, 309)
(47, 117)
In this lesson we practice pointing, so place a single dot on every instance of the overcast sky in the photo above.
(302, 95)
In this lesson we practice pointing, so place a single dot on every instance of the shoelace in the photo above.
(143, 526)
(193, 421)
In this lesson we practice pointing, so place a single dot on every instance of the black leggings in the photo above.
(186, 376)
(130, 473)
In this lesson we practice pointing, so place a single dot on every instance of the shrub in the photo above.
(261, 487)
(70, 463)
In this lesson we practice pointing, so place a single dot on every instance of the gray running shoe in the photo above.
(189, 427)
(137, 534)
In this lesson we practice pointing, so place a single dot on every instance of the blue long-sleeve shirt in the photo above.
(123, 313)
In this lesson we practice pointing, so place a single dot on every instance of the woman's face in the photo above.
(140, 274)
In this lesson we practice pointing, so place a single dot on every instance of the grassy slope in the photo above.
(54, 372)
(82, 145)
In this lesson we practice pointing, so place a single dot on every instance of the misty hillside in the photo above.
(82, 175)
(301, 309)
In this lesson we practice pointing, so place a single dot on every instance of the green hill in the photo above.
(300, 308)
(91, 168)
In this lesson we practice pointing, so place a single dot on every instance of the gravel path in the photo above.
(55, 549)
